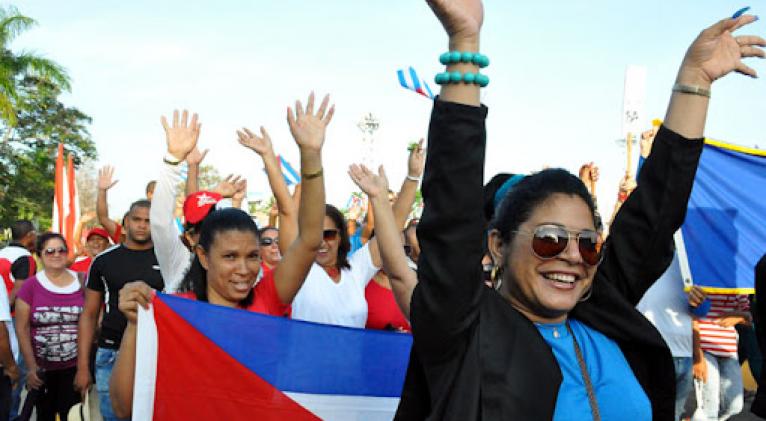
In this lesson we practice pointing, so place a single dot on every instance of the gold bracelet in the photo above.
(312, 175)
(689, 89)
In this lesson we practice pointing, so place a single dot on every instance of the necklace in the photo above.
(585, 376)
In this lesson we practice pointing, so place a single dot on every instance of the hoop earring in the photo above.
(496, 276)
(587, 295)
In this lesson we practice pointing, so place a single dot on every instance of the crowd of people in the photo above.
(523, 303)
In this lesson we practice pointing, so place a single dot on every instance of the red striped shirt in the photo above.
(718, 340)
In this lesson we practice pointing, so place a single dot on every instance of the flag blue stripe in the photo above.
(415, 80)
(402, 80)
(428, 89)
(723, 231)
(297, 356)
(296, 178)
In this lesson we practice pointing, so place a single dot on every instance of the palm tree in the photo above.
(14, 67)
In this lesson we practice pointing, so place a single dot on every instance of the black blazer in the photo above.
(478, 357)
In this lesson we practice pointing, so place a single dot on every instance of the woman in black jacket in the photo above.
(560, 339)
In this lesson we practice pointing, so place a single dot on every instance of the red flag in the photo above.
(73, 211)
(57, 224)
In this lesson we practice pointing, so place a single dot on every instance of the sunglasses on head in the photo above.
(267, 241)
(331, 234)
(50, 251)
(549, 241)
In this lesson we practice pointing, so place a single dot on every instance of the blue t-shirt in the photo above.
(618, 393)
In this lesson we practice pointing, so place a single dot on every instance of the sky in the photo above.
(555, 95)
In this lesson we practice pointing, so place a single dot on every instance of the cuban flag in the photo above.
(724, 235)
(412, 82)
(197, 361)
(288, 172)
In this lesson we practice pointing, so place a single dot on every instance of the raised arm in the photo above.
(79, 248)
(239, 195)
(450, 231)
(640, 245)
(308, 129)
(181, 137)
(387, 235)
(287, 208)
(193, 161)
(406, 198)
(102, 207)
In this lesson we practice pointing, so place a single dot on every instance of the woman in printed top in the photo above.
(227, 257)
(48, 307)
(560, 338)
(715, 355)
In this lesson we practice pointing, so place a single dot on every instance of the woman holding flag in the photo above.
(227, 262)
(560, 338)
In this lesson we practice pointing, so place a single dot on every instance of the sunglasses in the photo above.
(549, 241)
(50, 251)
(267, 241)
(329, 235)
(407, 250)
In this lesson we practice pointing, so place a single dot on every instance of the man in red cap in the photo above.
(96, 241)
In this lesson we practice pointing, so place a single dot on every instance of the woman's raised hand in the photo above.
(717, 52)
(462, 19)
(374, 185)
(105, 176)
(416, 162)
(181, 135)
(308, 127)
(260, 144)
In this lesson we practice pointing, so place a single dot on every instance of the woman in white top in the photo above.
(333, 292)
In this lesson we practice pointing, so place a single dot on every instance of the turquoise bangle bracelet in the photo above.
(445, 78)
(454, 57)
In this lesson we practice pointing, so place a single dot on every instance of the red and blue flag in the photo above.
(200, 361)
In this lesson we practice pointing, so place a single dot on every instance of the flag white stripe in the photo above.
(146, 365)
(347, 408)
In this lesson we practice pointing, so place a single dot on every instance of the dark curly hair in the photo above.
(520, 201)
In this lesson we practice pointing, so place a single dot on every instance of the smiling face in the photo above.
(545, 290)
(54, 254)
(96, 244)
(232, 265)
(328, 251)
(270, 252)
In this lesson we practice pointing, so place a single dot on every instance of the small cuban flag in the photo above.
(198, 361)
(411, 81)
(288, 172)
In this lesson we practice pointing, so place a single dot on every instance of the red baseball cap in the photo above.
(198, 205)
(97, 231)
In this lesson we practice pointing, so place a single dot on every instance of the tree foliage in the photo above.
(28, 155)
(17, 66)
